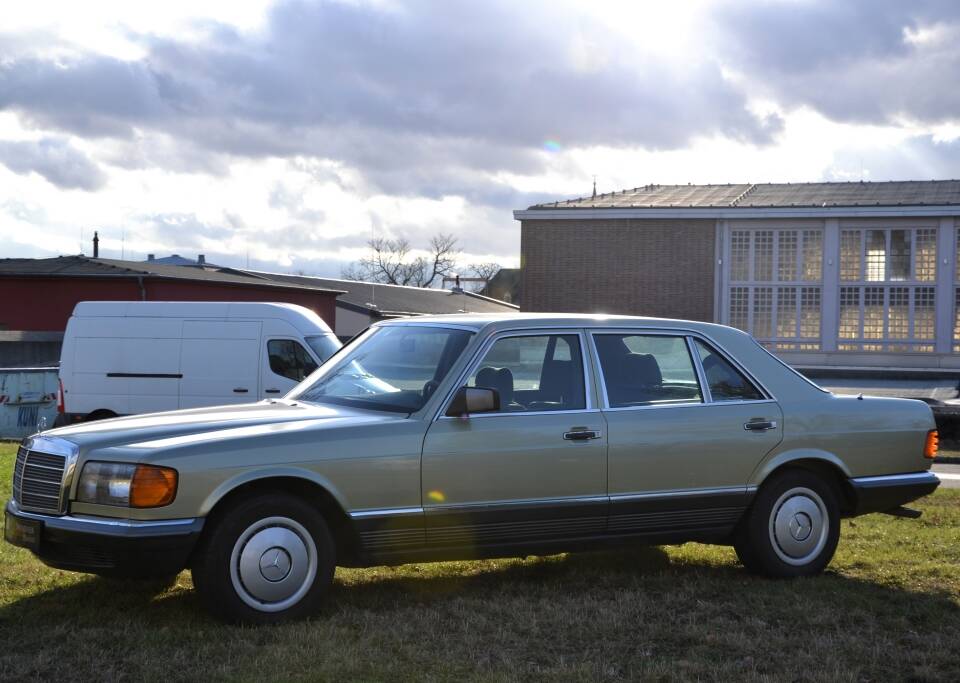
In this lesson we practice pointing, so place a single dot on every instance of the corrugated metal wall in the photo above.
(27, 396)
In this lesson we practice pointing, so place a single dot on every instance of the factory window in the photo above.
(775, 286)
(885, 301)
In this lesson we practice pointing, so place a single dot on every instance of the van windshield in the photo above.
(394, 368)
(324, 345)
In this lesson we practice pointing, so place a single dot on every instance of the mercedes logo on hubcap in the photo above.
(275, 564)
(800, 526)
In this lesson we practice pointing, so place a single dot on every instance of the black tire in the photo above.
(792, 528)
(232, 566)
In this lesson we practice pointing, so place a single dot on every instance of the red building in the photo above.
(38, 295)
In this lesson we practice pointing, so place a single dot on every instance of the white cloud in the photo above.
(288, 133)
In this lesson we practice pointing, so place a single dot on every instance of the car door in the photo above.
(286, 363)
(533, 471)
(686, 427)
(219, 363)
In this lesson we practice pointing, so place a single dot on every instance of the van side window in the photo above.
(725, 381)
(289, 359)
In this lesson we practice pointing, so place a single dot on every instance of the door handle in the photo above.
(271, 391)
(759, 425)
(240, 390)
(581, 435)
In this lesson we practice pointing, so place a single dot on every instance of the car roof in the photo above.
(480, 321)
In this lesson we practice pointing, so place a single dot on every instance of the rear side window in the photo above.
(725, 381)
(289, 359)
(643, 369)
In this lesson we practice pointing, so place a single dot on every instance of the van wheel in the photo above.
(99, 415)
(268, 559)
(792, 528)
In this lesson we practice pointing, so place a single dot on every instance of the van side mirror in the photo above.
(474, 400)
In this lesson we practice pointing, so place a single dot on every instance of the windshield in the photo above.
(394, 368)
(323, 345)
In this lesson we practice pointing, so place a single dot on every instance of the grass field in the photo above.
(887, 609)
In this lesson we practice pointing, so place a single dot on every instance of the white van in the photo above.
(124, 358)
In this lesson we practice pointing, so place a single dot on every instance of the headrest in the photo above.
(640, 369)
(500, 379)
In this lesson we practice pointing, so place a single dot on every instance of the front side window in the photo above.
(534, 373)
(392, 368)
(725, 381)
(642, 370)
(289, 359)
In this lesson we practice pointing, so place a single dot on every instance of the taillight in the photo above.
(933, 442)
(60, 406)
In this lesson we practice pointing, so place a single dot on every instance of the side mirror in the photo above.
(473, 400)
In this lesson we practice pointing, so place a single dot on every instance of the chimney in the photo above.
(96, 245)
(149, 257)
(201, 259)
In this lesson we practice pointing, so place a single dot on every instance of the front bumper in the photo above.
(100, 545)
(882, 493)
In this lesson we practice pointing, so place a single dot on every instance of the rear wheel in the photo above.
(269, 558)
(792, 528)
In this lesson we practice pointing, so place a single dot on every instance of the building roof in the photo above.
(772, 195)
(505, 286)
(396, 300)
(178, 260)
(86, 267)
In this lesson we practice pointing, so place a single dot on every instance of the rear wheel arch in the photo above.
(99, 414)
(341, 526)
(829, 471)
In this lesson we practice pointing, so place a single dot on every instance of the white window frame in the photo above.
(774, 340)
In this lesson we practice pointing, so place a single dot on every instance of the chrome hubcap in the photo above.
(273, 564)
(799, 524)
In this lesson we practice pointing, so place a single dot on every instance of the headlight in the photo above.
(127, 485)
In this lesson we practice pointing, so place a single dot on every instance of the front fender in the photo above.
(287, 471)
(778, 459)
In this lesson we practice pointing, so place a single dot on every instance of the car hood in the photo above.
(213, 424)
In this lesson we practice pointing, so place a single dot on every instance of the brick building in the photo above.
(825, 274)
(37, 296)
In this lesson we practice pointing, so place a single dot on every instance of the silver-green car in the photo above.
(475, 436)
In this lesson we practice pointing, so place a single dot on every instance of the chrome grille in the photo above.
(38, 481)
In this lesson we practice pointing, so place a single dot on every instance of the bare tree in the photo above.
(392, 262)
(485, 270)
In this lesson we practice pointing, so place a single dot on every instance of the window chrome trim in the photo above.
(662, 406)
(485, 346)
(414, 323)
(701, 373)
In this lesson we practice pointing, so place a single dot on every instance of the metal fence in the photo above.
(28, 397)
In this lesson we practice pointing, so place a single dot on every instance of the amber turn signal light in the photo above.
(933, 442)
(152, 486)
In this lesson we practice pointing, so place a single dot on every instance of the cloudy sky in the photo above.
(286, 133)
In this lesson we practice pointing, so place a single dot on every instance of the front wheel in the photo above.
(269, 558)
(792, 528)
